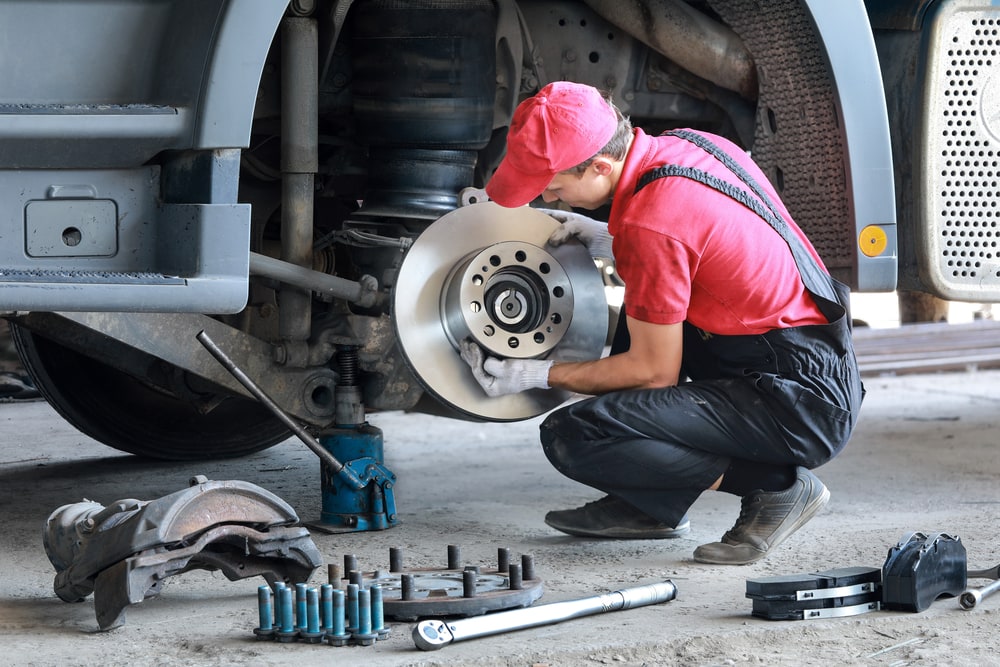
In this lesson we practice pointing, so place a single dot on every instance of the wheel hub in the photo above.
(486, 273)
(512, 298)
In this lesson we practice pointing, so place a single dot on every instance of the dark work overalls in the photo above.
(788, 397)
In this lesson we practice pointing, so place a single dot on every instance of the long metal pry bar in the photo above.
(327, 459)
(434, 634)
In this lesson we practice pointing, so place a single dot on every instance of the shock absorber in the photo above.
(299, 164)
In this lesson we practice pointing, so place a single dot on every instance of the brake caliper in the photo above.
(124, 552)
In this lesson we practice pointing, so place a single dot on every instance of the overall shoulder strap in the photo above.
(816, 280)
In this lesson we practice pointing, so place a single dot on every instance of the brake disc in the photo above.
(485, 272)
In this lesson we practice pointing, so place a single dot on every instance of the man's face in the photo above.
(589, 190)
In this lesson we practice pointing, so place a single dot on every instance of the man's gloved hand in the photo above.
(508, 376)
(592, 233)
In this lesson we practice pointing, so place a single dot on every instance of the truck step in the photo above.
(88, 277)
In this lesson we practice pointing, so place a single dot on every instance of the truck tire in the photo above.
(134, 415)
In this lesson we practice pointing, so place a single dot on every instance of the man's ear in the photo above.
(603, 165)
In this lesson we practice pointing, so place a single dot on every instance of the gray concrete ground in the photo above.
(923, 458)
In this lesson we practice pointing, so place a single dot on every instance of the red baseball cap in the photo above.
(563, 125)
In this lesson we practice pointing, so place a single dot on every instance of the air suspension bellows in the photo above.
(415, 183)
(424, 73)
(423, 89)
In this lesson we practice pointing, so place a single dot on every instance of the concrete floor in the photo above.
(923, 458)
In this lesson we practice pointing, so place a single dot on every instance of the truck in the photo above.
(302, 182)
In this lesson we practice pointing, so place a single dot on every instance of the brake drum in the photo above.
(485, 272)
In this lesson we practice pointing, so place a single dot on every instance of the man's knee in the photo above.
(555, 450)
(563, 455)
(569, 423)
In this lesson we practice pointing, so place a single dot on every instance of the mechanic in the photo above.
(732, 367)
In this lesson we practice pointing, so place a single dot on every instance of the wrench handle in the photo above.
(327, 459)
(988, 573)
(434, 634)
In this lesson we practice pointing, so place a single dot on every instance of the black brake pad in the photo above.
(799, 610)
(785, 587)
(839, 592)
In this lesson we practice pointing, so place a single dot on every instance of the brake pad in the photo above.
(921, 568)
(840, 592)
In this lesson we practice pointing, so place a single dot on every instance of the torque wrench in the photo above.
(434, 634)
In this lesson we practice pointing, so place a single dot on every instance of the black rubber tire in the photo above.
(123, 412)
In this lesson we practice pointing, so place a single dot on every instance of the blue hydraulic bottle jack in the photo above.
(372, 507)
(357, 494)
(363, 498)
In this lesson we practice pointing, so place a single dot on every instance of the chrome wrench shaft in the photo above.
(973, 596)
(327, 459)
(433, 634)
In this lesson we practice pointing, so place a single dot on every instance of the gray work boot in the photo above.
(615, 518)
(766, 519)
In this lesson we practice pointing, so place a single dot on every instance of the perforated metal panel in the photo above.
(959, 243)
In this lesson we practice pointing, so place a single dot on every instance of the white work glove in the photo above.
(591, 233)
(507, 376)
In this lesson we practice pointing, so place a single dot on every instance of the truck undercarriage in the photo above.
(294, 179)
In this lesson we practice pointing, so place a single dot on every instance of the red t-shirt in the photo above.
(688, 252)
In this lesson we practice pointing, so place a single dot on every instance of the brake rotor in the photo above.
(485, 272)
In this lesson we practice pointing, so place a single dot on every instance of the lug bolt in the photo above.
(469, 577)
(514, 577)
(503, 559)
(265, 614)
(378, 612)
(350, 562)
(527, 566)
(338, 634)
(395, 560)
(406, 587)
(287, 631)
(364, 635)
(278, 585)
(326, 608)
(312, 633)
(300, 606)
(352, 608)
